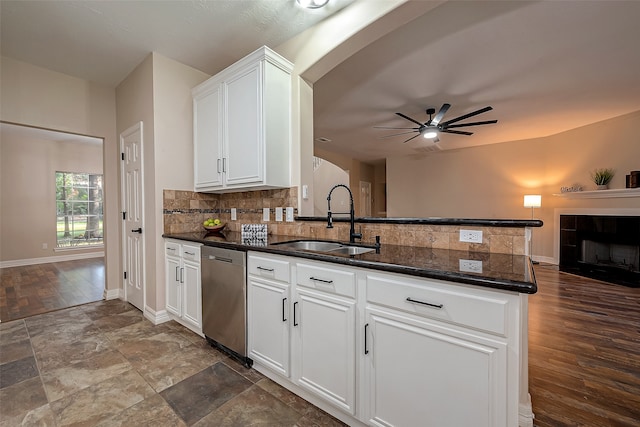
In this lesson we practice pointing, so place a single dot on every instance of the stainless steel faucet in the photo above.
(352, 230)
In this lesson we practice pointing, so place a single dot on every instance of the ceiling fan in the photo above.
(432, 127)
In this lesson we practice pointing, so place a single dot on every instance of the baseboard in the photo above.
(545, 259)
(113, 294)
(49, 259)
(525, 413)
(156, 317)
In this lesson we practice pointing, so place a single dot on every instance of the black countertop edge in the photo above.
(501, 284)
(434, 221)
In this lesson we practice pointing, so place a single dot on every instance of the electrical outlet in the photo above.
(278, 214)
(305, 192)
(234, 216)
(470, 266)
(266, 214)
(471, 236)
(289, 211)
(45, 246)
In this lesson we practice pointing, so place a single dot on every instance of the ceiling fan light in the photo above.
(430, 134)
(312, 4)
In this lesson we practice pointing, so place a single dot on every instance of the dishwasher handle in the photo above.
(221, 259)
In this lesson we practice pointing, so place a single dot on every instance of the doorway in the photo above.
(31, 222)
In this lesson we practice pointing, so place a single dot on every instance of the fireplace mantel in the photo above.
(601, 194)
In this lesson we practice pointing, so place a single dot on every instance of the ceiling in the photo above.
(544, 66)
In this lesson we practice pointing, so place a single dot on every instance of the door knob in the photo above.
(137, 230)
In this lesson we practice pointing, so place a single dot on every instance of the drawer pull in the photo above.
(315, 279)
(438, 306)
(365, 339)
(265, 269)
(189, 253)
(171, 249)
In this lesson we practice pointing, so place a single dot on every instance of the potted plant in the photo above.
(602, 177)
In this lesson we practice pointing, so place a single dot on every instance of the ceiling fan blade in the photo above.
(412, 138)
(386, 127)
(440, 115)
(457, 132)
(466, 116)
(487, 122)
(395, 134)
(410, 119)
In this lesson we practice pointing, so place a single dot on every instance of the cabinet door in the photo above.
(207, 116)
(324, 329)
(173, 274)
(420, 373)
(192, 298)
(244, 140)
(268, 319)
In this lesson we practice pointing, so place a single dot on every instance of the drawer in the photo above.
(191, 253)
(172, 248)
(479, 309)
(270, 268)
(327, 278)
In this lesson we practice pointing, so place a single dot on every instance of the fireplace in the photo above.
(602, 247)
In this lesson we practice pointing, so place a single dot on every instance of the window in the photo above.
(79, 209)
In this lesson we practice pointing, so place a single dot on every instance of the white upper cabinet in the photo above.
(242, 126)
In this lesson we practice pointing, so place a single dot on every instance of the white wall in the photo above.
(158, 93)
(39, 97)
(490, 181)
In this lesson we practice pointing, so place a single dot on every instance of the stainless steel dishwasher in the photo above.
(224, 300)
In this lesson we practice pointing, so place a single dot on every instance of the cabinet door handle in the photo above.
(218, 165)
(294, 313)
(265, 269)
(315, 279)
(438, 306)
(284, 302)
(182, 275)
(177, 277)
(366, 326)
(224, 164)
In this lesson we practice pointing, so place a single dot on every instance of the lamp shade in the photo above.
(532, 200)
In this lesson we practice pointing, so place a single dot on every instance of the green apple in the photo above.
(216, 221)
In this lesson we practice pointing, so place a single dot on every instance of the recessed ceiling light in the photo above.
(312, 4)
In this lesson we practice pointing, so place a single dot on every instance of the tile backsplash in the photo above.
(185, 211)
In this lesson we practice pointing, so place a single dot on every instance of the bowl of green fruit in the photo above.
(214, 225)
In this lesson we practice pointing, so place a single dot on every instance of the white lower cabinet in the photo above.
(420, 373)
(324, 347)
(384, 349)
(183, 288)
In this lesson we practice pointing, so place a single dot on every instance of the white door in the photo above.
(243, 162)
(420, 374)
(365, 199)
(191, 301)
(325, 347)
(132, 213)
(268, 319)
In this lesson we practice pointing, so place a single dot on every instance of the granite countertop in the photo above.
(499, 271)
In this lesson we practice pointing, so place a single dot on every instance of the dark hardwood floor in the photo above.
(35, 289)
(584, 337)
(584, 351)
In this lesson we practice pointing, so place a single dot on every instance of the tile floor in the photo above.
(104, 364)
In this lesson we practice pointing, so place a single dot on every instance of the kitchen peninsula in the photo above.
(413, 334)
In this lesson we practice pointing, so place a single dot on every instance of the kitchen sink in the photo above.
(311, 245)
(350, 250)
(326, 247)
